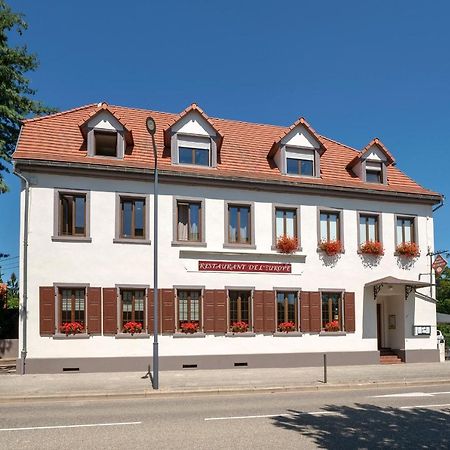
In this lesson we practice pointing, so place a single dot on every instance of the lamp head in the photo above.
(151, 125)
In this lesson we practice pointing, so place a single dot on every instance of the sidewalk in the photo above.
(132, 384)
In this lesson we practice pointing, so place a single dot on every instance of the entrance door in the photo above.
(379, 327)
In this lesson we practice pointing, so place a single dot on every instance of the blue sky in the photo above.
(354, 69)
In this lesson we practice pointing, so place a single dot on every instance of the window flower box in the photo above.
(331, 248)
(132, 328)
(408, 249)
(239, 327)
(332, 326)
(71, 328)
(287, 244)
(372, 248)
(286, 327)
(189, 327)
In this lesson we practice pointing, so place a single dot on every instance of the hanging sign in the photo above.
(439, 265)
(235, 266)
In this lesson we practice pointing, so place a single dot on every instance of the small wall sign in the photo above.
(235, 266)
(422, 330)
(392, 322)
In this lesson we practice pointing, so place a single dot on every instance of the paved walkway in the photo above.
(86, 385)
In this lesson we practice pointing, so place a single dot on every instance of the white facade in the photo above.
(104, 263)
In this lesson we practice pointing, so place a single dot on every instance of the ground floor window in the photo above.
(239, 307)
(332, 311)
(132, 306)
(189, 307)
(287, 308)
(72, 306)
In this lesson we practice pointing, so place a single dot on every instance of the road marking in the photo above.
(83, 425)
(425, 406)
(262, 416)
(405, 394)
(411, 394)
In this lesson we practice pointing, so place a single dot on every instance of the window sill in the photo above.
(332, 333)
(274, 248)
(247, 246)
(288, 334)
(132, 336)
(188, 244)
(131, 241)
(334, 254)
(247, 334)
(71, 336)
(188, 335)
(71, 239)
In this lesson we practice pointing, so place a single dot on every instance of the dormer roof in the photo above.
(301, 122)
(366, 151)
(102, 108)
(192, 108)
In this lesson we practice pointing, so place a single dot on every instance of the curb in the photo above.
(149, 393)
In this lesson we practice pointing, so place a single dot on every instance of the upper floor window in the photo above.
(330, 226)
(300, 162)
(285, 222)
(72, 306)
(72, 214)
(105, 143)
(132, 218)
(405, 231)
(368, 228)
(239, 223)
(189, 225)
(374, 172)
(194, 150)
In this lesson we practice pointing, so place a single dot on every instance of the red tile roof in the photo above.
(244, 150)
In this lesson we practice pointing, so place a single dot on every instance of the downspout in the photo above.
(440, 205)
(24, 274)
(24, 311)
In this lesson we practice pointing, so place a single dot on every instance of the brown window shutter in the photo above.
(47, 310)
(258, 311)
(314, 312)
(208, 311)
(269, 311)
(168, 310)
(220, 311)
(94, 311)
(349, 312)
(304, 311)
(109, 310)
(150, 302)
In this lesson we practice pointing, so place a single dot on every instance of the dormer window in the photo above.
(298, 151)
(193, 139)
(374, 172)
(107, 135)
(194, 150)
(105, 143)
(300, 162)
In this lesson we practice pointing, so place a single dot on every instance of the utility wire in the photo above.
(6, 259)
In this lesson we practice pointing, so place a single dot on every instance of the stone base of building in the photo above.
(140, 363)
(418, 356)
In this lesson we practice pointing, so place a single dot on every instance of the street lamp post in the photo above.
(151, 128)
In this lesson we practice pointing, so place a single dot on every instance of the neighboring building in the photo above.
(228, 191)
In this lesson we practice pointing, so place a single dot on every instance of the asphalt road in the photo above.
(416, 417)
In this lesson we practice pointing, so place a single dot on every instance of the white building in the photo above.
(228, 191)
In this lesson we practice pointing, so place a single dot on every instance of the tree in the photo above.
(15, 92)
(443, 292)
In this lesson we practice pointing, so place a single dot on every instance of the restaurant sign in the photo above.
(234, 266)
